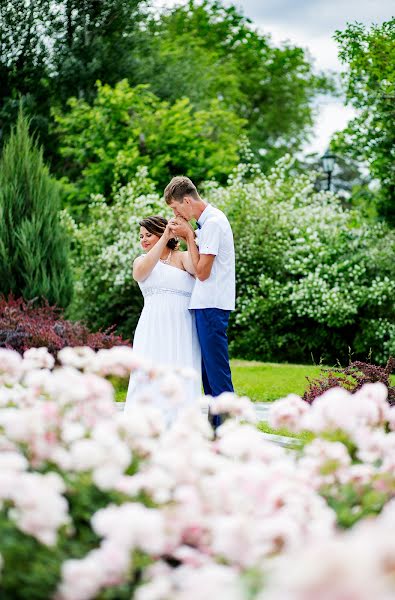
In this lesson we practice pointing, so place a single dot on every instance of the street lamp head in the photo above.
(328, 161)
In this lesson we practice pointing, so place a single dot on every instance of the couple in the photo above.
(188, 295)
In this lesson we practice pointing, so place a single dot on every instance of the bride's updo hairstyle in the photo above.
(157, 225)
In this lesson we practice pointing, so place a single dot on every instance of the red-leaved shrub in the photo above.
(352, 378)
(24, 325)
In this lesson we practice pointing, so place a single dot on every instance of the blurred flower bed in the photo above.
(100, 504)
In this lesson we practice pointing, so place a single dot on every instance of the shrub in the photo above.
(351, 378)
(103, 251)
(24, 325)
(33, 245)
(350, 455)
(313, 278)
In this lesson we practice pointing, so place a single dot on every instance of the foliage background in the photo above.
(314, 279)
(202, 51)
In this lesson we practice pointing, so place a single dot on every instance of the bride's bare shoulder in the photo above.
(178, 256)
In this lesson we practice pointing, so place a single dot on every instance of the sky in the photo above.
(311, 24)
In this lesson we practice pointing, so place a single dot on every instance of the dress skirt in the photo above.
(166, 333)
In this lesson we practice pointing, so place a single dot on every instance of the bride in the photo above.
(166, 332)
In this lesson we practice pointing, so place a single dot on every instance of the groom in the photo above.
(213, 297)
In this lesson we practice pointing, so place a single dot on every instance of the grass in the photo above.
(120, 387)
(262, 382)
(265, 382)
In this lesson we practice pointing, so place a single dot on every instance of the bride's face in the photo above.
(147, 239)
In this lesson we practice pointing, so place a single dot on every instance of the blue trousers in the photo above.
(211, 325)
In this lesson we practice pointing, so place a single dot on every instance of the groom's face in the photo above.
(182, 209)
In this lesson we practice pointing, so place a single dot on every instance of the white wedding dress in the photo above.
(166, 333)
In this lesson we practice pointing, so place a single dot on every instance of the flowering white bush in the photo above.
(102, 504)
(104, 249)
(358, 565)
(312, 276)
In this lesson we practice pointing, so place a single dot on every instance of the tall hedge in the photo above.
(33, 245)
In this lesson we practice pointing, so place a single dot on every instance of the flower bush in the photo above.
(100, 504)
(355, 565)
(352, 378)
(103, 252)
(350, 459)
(313, 278)
(24, 325)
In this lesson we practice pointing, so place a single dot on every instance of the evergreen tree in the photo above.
(33, 246)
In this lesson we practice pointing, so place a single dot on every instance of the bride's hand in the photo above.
(168, 233)
(174, 221)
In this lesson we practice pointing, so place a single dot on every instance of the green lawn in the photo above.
(120, 387)
(262, 382)
(265, 382)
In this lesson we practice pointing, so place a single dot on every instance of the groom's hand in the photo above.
(180, 227)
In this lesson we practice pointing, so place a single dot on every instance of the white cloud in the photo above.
(316, 17)
(332, 116)
(322, 48)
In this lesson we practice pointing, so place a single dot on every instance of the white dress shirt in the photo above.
(215, 237)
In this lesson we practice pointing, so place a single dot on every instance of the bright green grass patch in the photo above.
(120, 388)
(262, 382)
(265, 382)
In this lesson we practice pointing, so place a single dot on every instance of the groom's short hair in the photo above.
(178, 188)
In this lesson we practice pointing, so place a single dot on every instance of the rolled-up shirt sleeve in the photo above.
(209, 238)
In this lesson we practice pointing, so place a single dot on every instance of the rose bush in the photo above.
(102, 504)
(350, 457)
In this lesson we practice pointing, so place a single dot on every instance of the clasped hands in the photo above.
(179, 227)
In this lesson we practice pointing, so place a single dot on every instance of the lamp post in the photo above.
(328, 163)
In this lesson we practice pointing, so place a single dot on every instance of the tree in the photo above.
(93, 41)
(208, 50)
(23, 64)
(126, 127)
(370, 85)
(33, 246)
(349, 181)
(51, 50)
